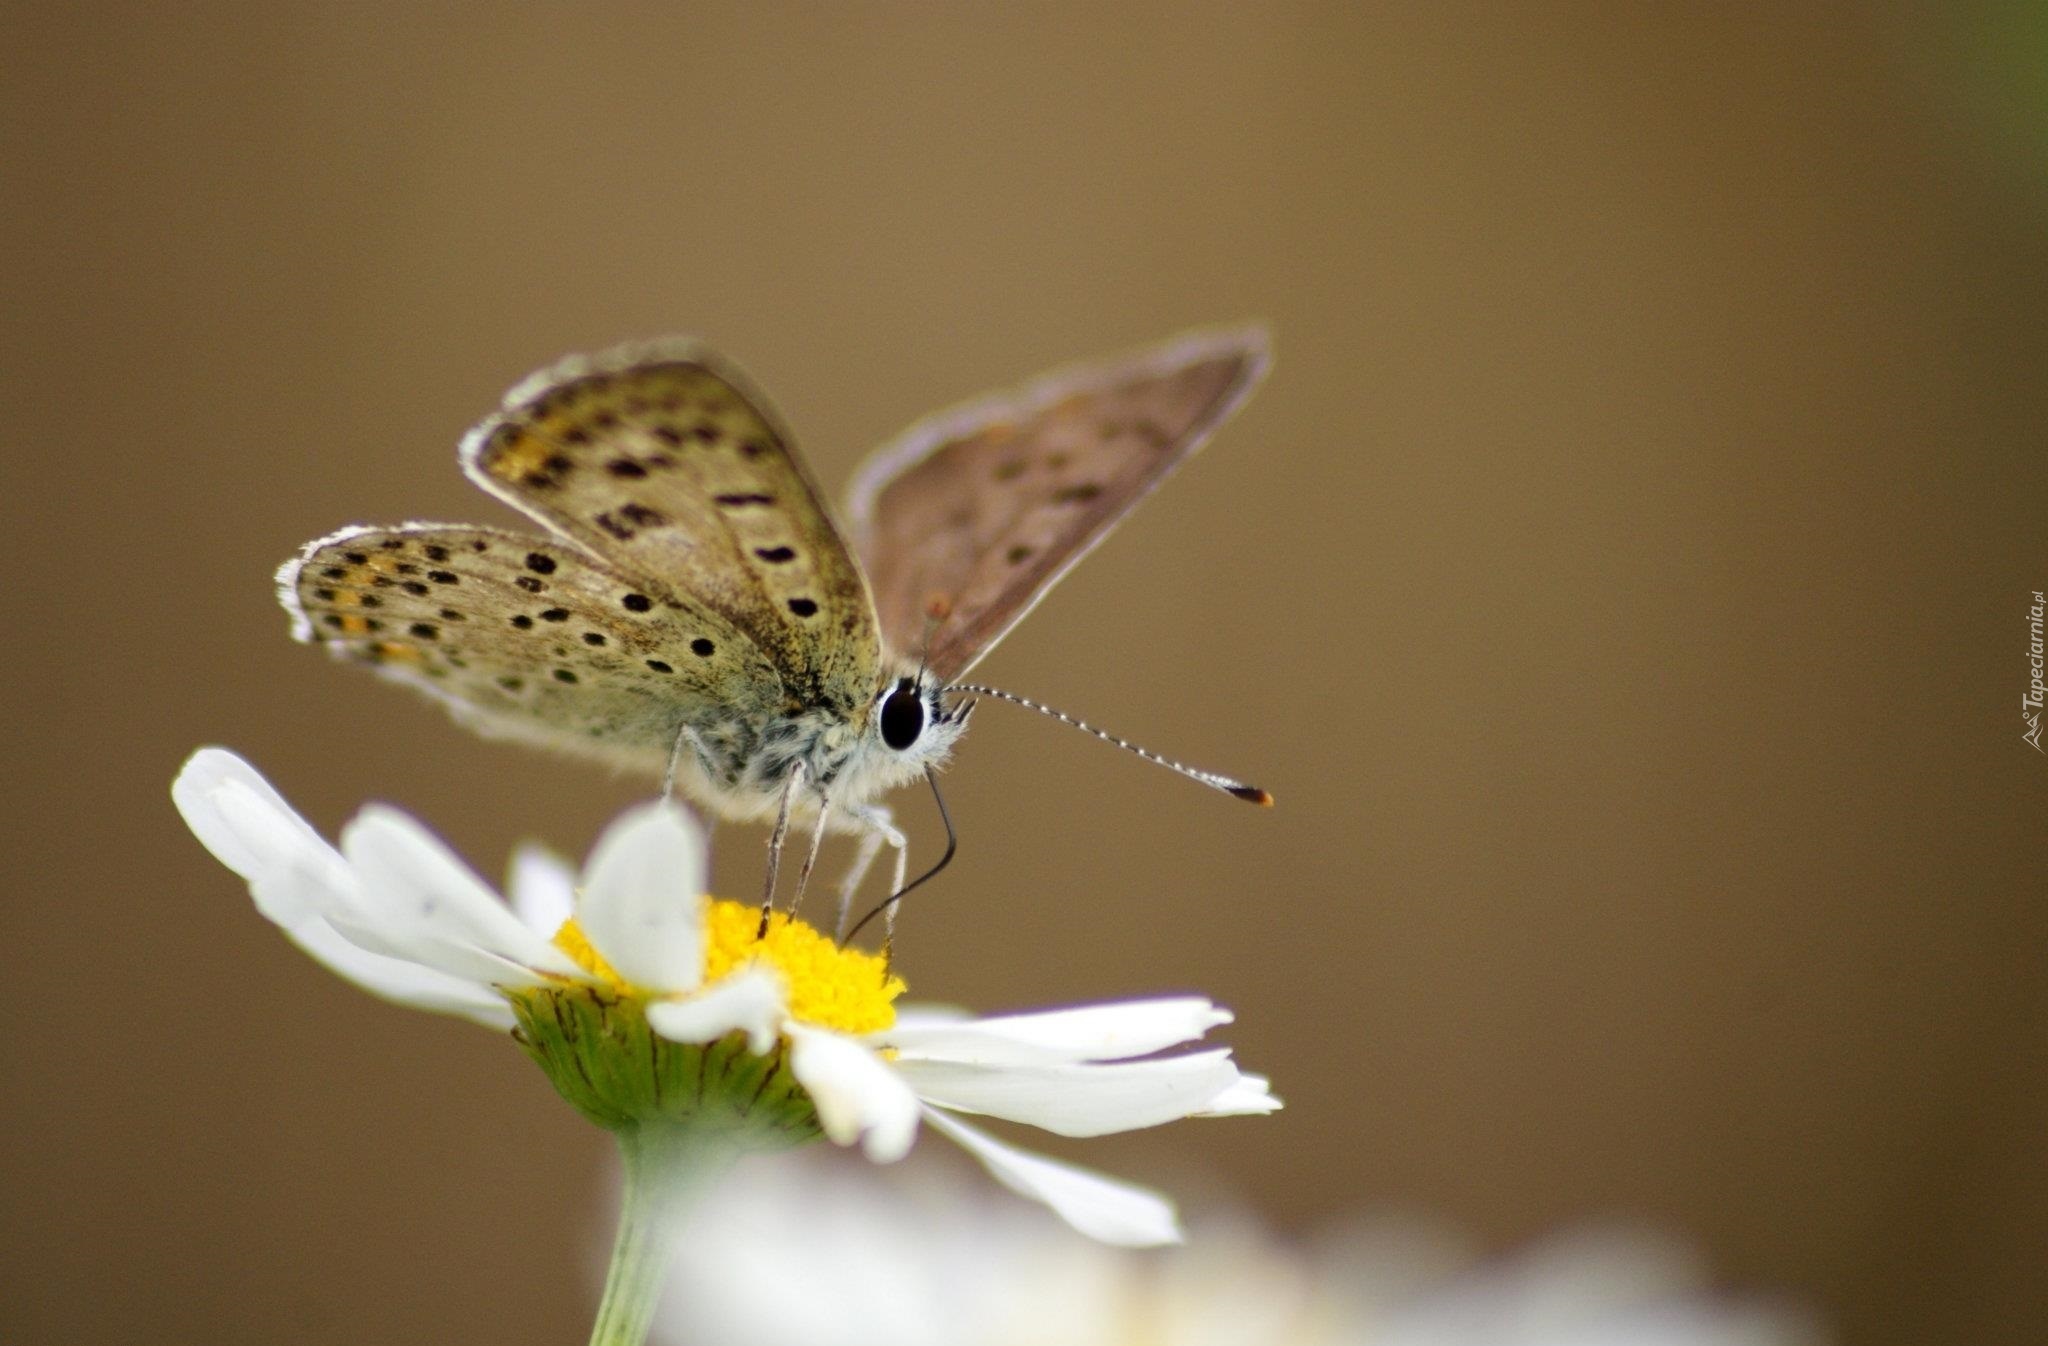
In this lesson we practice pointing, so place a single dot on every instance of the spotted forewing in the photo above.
(659, 459)
(968, 518)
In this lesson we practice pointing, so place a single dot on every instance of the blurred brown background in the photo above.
(1622, 583)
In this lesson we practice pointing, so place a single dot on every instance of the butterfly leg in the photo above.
(775, 839)
(684, 735)
(863, 860)
(878, 828)
(803, 876)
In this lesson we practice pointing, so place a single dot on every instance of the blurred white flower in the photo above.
(922, 1261)
(650, 1004)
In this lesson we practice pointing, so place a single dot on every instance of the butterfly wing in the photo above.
(660, 460)
(975, 513)
(523, 637)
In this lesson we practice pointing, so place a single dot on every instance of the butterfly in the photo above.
(692, 609)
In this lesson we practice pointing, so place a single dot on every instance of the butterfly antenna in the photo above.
(1250, 793)
(952, 845)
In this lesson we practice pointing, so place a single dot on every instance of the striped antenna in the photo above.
(1251, 793)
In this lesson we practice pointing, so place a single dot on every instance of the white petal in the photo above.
(1088, 1033)
(250, 829)
(643, 907)
(1251, 1095)
(295, 876)
(1098, 1206)
(1079, 1100)
(925, 1014)
(419, 901)
(399, 980)
(542, 887)
(857, 1096)
(749, 1000)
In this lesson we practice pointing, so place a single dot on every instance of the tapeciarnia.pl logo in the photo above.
(2030, 704)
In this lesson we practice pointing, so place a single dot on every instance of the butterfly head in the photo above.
(913, 723)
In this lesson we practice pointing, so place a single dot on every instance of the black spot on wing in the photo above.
(628, 519)
(1153, 433)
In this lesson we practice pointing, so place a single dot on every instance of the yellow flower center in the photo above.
(571, 940)
(843, 989)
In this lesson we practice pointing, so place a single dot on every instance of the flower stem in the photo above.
(665, 1167)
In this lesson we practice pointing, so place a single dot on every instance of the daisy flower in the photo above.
(919, 1262)
(675, 1021)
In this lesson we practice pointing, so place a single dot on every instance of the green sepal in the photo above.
(598, 1051)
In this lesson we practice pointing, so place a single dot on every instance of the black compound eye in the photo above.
(902, 717)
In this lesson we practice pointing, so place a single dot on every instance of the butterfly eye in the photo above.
(902, 716)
